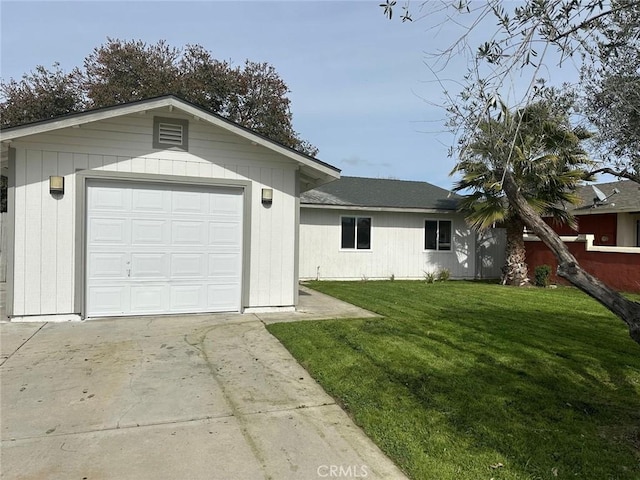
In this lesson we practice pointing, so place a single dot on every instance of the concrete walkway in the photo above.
(184, 397)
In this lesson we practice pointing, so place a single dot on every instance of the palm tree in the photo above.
(543, 153)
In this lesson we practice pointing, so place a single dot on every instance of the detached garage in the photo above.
(150, 208)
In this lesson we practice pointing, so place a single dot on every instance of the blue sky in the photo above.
(358, 81)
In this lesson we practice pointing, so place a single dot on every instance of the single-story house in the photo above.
(610, 212)
(372, 228)
(151, 207)
(606, 242)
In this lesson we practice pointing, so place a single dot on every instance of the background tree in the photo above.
(205, 81)
(253, 95)
(612, 91)
(121, 72)
(546, 159)
(40, 95)
(526, 34)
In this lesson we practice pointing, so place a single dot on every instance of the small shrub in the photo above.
(430, 277)
(542, 274)
(444, 275)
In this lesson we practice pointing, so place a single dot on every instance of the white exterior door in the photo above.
(161, 249)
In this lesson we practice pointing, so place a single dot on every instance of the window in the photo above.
(437, 235)
(170, 133)
(356, 233)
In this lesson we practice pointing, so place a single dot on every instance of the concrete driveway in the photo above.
(189, 397)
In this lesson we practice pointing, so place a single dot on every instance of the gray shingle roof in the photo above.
(381, 193)
(628, 200)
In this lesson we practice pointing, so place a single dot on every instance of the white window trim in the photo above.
(424, 233)
(355, 248)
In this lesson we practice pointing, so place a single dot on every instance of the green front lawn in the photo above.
(463, 380)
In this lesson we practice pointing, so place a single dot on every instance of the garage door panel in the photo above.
(190, 203)
(225, 203)
(103, 265)
(224, 266)
(113, 231)
(188, 233)
(150, 200)
(108, 300)
(187, 298)
(218, 298)
(109, 199)
(150, 266)
(154, 249)
(188, 265)
(148, 298)
(150, 232)
(225, 233)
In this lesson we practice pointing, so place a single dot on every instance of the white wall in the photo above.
(627, 224)
(490, 257)
(3, 247)
(397, 247)
(45, 227)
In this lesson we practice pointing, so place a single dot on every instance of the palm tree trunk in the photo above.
(515, 271)
(568, 267)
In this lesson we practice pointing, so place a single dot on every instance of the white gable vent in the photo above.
(170, 133)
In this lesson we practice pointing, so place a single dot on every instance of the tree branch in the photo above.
(617, 173)
(589, 21)
(568, 267)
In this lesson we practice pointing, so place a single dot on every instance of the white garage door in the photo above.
(160, 249)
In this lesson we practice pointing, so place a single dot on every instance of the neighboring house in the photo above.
(614, 221)
(151, 207)
(606, 242)
(366, 228)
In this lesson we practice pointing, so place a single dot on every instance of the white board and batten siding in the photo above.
(3, 247)
(397, 247)
(45, 226)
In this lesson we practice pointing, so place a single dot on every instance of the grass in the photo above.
(463, 380)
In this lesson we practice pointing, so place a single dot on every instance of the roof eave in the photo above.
(327, 172)
(377, 209)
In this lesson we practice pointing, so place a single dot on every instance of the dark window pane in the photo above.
(430, 231)
(348, 232)
(364, 233)
(444, 235)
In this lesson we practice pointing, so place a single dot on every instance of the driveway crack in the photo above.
(235, 410)
(23, 343)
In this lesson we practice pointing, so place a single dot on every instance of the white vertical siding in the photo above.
(397, 247)
(45, 226)
(272, 279)
(20, 233)
(49, 237)
(34, 191)
(3, 246)
(66, 215)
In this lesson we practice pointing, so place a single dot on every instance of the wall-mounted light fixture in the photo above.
(267, 196)
(56, 184)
